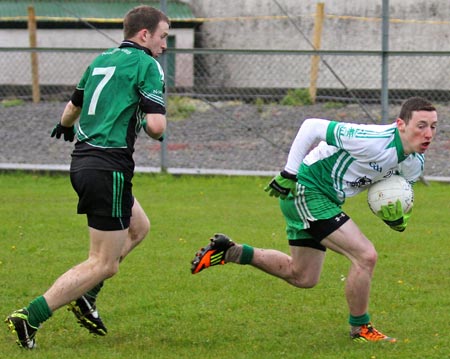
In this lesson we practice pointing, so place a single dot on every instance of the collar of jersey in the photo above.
(129, 43)
(399, 146)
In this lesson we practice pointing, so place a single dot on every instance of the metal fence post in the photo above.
(164, 162)
(385, 63)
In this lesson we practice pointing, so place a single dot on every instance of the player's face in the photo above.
(419, 132)
(157, 42)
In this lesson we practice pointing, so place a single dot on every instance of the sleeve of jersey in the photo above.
(78, 95)
(412, 167)
(311, 131)
(356, 139)
(151, 88)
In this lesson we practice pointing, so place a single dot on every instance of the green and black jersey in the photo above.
(116, 91)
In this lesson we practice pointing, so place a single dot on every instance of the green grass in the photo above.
(155, 308)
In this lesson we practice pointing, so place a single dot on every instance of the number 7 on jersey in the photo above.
(108, 72)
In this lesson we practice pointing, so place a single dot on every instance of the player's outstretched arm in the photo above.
(66, 126)
(311, 131)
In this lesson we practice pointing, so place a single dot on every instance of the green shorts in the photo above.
(310, 206)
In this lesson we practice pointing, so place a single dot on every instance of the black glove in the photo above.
(68, 132)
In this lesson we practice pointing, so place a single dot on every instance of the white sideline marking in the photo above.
(173, 170)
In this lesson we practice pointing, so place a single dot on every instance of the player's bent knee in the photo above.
(138, 231)
(304, 282)
(368, 259)
(110, 270)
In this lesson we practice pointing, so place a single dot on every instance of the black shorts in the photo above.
(319, 230)
(105, 196)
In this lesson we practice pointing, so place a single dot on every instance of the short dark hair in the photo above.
(142, 17)
(414, 104)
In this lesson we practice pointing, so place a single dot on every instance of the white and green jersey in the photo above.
(350, 157)
(118, 88)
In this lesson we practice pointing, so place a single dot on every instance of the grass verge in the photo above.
(155, 308)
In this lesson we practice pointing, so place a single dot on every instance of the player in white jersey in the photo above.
(312, 188)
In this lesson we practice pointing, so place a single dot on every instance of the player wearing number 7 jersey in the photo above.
(120, 93)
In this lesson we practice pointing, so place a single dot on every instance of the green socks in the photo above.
(247, 254)
(242, 254)
(38, 312)
(359, 320)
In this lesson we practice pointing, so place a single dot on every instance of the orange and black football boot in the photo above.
(367, 333)
(213, 254)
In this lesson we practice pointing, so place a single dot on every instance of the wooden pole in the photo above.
(34, 56)
(315, 60)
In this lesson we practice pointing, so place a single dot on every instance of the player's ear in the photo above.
(142, 34)
(401, 124)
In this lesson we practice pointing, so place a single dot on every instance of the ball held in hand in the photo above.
(389, 191)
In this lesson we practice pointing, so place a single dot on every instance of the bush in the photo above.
(179, 108)
(12, 102)
(297, 97)
(333, 105)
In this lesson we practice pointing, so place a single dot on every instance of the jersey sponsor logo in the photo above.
(339, 217)
(375, 166)
(110, 52)
(390, 173)
(347, 132)
(355, 132)
(360, 182)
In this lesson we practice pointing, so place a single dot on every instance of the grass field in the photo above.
(155, 308)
